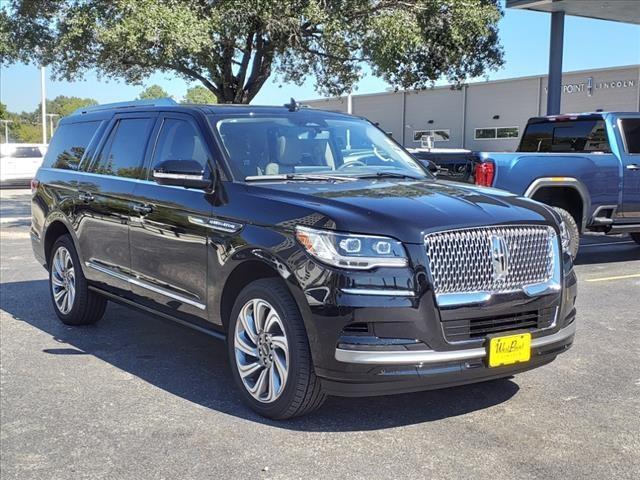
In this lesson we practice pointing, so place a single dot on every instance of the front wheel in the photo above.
(72, 300)
(269, 352)
(635, 237)
(572, 228)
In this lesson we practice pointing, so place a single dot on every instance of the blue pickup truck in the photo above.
(586, 166)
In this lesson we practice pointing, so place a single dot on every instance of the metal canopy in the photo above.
(627, 11)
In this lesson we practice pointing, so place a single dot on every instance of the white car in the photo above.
(19, 162)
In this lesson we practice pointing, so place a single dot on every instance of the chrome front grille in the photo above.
(490, 259)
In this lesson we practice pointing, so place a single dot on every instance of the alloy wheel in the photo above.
(63, 280)
(261, 350)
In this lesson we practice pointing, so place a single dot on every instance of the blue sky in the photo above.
(523, 34)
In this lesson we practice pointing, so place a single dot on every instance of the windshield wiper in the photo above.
(387, 174)
(297, 176)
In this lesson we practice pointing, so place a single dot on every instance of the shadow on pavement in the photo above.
(194, 366)
(17, 204)
(595, 253)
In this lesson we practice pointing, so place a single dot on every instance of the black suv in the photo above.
(329, 259)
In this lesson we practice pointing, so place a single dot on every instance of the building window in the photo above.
(492, 133)
(439, 135)
(508, 132)
(485, 133)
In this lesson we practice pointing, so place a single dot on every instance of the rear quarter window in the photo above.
(587, 135)
(631, 134)
(68, 145)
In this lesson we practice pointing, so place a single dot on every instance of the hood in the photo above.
(405, 210)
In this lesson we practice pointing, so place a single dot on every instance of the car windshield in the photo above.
(294, 145)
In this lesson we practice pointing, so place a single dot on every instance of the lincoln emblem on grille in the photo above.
(499, 257)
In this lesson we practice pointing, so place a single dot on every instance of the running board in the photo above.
(130, 303)
(629, 228)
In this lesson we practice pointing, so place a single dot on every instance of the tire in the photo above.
(66, 280)
(635, 237)
(300, 392)
(574, 231)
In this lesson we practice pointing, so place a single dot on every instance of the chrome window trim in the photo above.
(422, 357)
(143, 284)
(177, 176)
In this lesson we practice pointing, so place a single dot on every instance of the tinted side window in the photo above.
(566, 137)
(631, 132)
(537, 138)
(580, 136)
(123, 153)
(179, 140)
(27, 152)
(68, 145)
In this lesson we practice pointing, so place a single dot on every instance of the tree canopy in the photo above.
(64, 106)
(199, 94)
(27, 126)
(233, 46)
(153, 91)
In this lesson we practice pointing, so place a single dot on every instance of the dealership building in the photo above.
(491, 115)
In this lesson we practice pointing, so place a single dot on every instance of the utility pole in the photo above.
(6, 130)
(43, 97)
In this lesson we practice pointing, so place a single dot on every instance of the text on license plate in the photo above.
(509, 349)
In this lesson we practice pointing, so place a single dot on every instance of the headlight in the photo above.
(352, 251)
(564, 236)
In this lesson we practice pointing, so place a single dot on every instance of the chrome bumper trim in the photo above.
(408, 357)
(375, 291)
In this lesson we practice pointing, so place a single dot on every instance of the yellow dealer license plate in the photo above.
(509, 349)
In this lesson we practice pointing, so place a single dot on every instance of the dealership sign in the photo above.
(589, 86)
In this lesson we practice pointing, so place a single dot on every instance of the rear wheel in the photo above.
(636, 237)
(72, 300)
(269, 352)
(572, 228)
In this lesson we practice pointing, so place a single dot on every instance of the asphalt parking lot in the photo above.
(138, 397)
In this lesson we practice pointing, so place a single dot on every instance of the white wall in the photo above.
(512, 101)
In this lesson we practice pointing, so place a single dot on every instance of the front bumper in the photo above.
(455, 368)
(402, 345)
(422, 357)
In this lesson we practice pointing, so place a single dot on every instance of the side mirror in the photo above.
(181, 173)
(431, 166)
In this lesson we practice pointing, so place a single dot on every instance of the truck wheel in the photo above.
(574, 231)
(72, 300)
(636, 237)
(269, 352)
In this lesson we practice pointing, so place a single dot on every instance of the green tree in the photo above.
(199, 94)
(3, 111)
(233, 46)
(154, 91)
(64, 106)
(26, 133)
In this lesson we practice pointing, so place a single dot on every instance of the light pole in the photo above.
(6, 130)
(44, 104)
(51, 115)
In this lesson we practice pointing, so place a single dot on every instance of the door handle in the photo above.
(142, 209)
(86, 197)
(633, 166)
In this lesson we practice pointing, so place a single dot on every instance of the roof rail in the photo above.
(154, 102)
